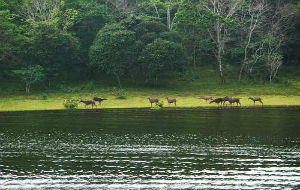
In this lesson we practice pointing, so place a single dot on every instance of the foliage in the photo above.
(30, 75)
(50, 44)
(158, 105)
(71, 105)
(112, 50)
(160, 57)
(11, 40)
(83, 40)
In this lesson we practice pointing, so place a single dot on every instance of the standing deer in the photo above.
(155, 100)
(99, 100)
(89, 102)
(206, 98)
(256, 99)
(217, 101)
(170, 101)
(232, 100)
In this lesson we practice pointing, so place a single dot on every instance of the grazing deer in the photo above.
(225, 99)
(155, 100)
(217, 101)
(256, 99)
(232, 100)
(89, 102)
(99, 99)
(170, 101)
(206, 98)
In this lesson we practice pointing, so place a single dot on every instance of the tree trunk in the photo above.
(219, 49)
(221, 70)
(27, 88)
(156, 10)
(168, 17)
(241, 71)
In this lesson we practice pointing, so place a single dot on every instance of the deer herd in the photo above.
(218, 101)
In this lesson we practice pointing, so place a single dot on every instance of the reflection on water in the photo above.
(140, 148)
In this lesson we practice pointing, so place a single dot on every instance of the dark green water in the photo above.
(142, 149)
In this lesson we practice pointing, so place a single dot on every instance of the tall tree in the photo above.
(112, 50)
(223, 15)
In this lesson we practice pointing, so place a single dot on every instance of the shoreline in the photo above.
(163, 109)
(140, 102)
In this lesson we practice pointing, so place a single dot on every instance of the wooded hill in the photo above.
(53, 40)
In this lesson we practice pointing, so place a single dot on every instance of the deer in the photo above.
(217, 101)
(206, 98)
(89, 102)
(256, 99)
(170, 101)
(232, 100)
(155, 100)
(96, 99)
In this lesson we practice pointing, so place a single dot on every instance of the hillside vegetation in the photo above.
(62, 49)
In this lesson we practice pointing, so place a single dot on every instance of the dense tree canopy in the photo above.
(140, 39)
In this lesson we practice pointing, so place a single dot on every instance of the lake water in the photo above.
(255, 148)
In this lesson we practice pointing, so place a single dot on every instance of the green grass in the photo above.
(137, 97)
(285, 92)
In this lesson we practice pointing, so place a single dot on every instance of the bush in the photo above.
(158, 105)
(71, 105)
(119, 93)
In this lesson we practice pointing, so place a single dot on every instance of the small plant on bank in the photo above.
(71, 105)
(158, 105)
(119, 93)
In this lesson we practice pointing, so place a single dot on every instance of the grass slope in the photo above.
(284, 93)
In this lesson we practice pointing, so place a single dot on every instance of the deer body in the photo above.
(256, 99)
(155, 100)
(96, 99)
(170, 101)
(232, 100)
(206, 98)
(217, 101)
(89, 102)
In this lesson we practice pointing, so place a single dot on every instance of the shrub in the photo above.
(71, 105)
(158, 105)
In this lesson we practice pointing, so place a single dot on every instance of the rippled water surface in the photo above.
(254, 148)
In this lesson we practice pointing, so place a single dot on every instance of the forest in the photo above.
(52, 40)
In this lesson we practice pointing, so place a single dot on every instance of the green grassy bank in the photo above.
(187, 94)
